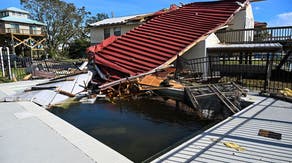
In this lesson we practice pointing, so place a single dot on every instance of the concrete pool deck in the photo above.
(29, 133)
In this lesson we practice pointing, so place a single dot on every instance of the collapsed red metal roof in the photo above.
(162, 38)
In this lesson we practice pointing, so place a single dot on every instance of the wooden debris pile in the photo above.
(142, 85)
(210, 100)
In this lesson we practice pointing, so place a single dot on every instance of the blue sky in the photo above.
(274, 12)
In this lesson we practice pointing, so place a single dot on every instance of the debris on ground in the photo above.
(286, 92)
(61, 90)
(234, 146)
(87, 84)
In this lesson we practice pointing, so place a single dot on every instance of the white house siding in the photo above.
(212, 40)
(200, 51)
(128, 27)
(39, 30)
(24, 29)
(242, 20)
(249, 17)
(97, 33)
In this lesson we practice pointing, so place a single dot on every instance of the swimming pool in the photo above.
(137, 129)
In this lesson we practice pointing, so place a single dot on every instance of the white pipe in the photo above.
(9, 66)
(2, 63)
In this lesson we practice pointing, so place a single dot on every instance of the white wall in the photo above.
(199, 50)
(212, 40)
(242, 20)
(97, 33)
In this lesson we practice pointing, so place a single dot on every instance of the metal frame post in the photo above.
(2, 62)
(9, 65)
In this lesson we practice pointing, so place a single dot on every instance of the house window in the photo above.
(14, 28)
(107, 33)
(4, 14)
(117, 31)
(33, 30)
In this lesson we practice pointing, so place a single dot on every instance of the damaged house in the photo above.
(186, 30)
(116, 26)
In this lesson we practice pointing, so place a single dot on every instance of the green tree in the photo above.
(65, 23)
(78, 47)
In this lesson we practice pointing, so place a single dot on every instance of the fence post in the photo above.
(269, 66)
(9, 66)
(2, 62)
(15, 73)
(47, 67)
(210, 67)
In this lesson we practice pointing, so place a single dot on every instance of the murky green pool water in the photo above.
(137, 129)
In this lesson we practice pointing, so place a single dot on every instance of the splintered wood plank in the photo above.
(151, 80)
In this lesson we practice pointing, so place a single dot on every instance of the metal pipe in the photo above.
(9, 66)
(2, 62)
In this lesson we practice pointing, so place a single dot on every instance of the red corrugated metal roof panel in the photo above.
(163, 37)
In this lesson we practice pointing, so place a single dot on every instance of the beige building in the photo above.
(19, 32)
(114, 26)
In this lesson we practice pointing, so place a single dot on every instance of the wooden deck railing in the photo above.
(254, 35)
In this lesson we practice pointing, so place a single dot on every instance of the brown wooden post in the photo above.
(31, 53)
(12, 44)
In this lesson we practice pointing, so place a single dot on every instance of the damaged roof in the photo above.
(158, 41)
(115, 20)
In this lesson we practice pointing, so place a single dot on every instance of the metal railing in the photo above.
(13, 67)
(54, 66)
(260, 71)
(256, 35)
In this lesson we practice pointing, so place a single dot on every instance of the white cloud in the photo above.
(284, 19)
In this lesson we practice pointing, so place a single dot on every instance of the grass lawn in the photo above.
(18, 72)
